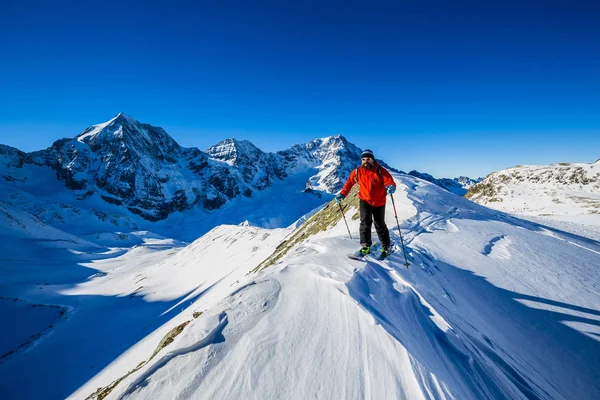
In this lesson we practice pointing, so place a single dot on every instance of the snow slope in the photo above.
(492, 307)
(113, 303)
(15, 223)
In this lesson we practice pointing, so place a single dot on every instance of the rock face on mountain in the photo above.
(334, 157)
(569, 191)
(140, 167)
(256, 168)
(11, 161)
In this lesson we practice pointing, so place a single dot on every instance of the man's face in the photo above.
(367, 162)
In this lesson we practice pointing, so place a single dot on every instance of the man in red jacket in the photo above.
(375, 182)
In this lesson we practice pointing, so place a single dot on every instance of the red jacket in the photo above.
(371, 186)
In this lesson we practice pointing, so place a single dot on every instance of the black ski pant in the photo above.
(368, 215)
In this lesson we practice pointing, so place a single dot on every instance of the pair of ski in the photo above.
(375, 254)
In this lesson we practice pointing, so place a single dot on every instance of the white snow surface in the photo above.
(93, 130)
(491, 307)
(119, 303)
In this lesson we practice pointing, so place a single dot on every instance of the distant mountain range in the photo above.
(140, 167)
(123, 167)
(458, 186)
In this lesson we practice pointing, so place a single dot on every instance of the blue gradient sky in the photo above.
(446, 87)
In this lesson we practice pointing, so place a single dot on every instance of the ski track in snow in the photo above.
(499, 247)
(491, 307)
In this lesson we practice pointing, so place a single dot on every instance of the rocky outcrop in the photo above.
(565, 189)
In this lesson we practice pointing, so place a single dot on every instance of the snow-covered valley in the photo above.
(492, 306)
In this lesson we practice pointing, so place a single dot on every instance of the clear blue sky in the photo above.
(445, 87)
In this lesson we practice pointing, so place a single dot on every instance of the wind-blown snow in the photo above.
(491, 307)
(116, 302)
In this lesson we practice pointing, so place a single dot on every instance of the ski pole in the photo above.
(399, 231)
(343, 216)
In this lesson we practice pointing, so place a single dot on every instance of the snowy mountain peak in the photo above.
(467, 182)
(124, 133)
(335, 139)
(93, 130)
(235, 151)
(123, 118)
(333, 156)
(327, 148)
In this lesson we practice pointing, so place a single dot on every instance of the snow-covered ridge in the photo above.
(565, 191)
(478, 315)
(93, 130)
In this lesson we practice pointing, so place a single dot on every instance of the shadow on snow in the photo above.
(95, 331)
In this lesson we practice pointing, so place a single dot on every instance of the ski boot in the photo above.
(385, 252)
